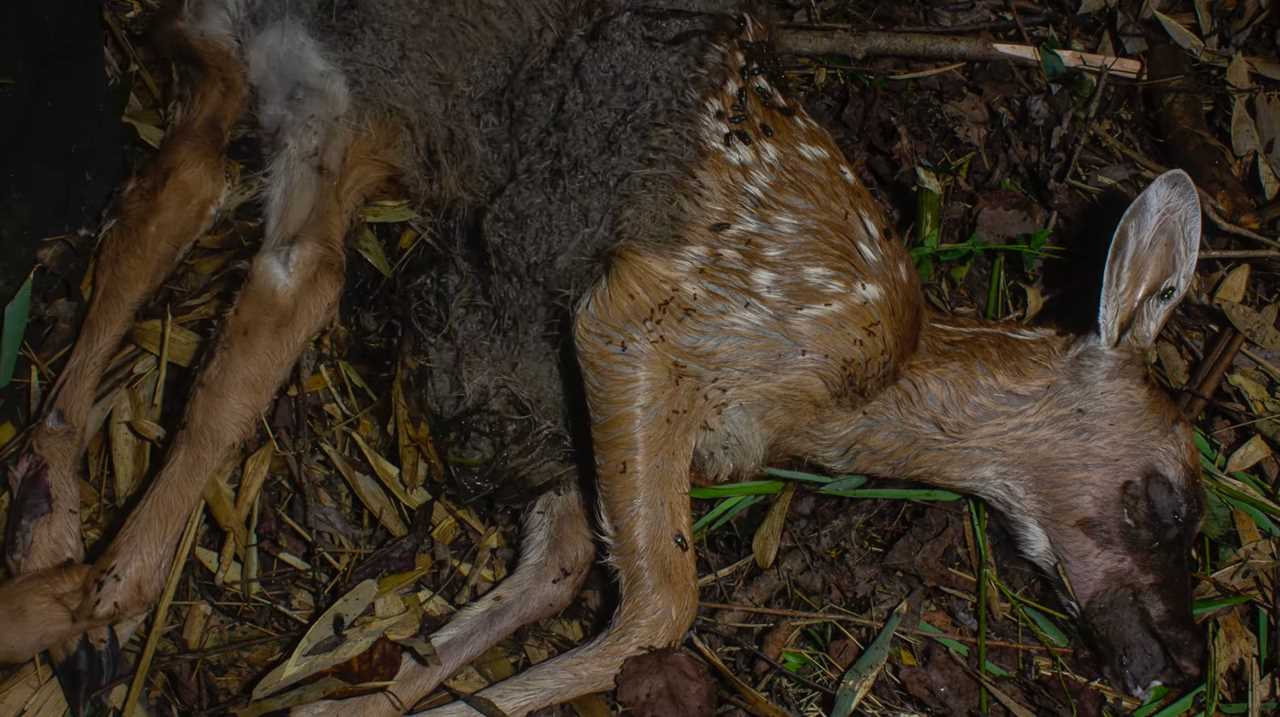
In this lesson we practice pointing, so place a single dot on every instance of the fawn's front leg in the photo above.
(644, 424)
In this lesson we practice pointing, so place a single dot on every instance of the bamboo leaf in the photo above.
(12, 330)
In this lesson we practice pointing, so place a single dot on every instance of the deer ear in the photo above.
(1151, 262)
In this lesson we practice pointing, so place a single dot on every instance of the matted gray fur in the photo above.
(532, 125)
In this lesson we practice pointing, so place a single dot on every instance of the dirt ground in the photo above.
(1033, 163)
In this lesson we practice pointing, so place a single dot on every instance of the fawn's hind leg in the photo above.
(162, 211)
(643, 428)
(321, 170)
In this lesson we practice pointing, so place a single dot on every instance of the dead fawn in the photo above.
(755, 307)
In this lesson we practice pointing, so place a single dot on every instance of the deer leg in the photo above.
(319, 176)
(643, 429)
(162, 211)
(556, 553)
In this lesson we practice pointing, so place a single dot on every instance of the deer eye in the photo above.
(1166, 294)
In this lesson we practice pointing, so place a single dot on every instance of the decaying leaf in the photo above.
(367, 490)
(339, 634)
(1238, 73)
(1257, 326)
(666, 682)
(183, 342)
(1248, 454)
(1035, 302)
(1175, 367)
(1184, 38)
(1244, 134)
(1233, 644)
(366, 242)
(769, 535)
(388, 212)
(1233, 285)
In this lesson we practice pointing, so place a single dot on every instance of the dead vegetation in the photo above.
(819, 593)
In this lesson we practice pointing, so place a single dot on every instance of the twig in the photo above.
(1209, 373)
(777, 666)
(162, 611)
(1240, 254)
(859, 45)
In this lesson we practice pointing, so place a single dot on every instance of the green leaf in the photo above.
(729, 490)
(1202, 607)
(13, 328)
(800, 475)
(1051, 61)
(1050, 630)
(857, 681)
(371, 249)
(844, 483)
(959, 648)
(388, 212)
(917, 494)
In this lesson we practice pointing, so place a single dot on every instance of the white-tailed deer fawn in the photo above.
(754, 308)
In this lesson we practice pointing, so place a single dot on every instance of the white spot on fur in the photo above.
(813, 151)
(1032, 541)
(769, 152)
(871, 292)
(763, 280)
(870, 226)
(276, 267)
(848, 175)
(738, 153)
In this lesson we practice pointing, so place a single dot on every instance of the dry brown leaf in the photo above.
(183, 342)
(1233, 644)
(230, 571)
(1265, 67)
(126, 467)
(256, 468)
(1238, 73)
(1233, 285)
(769, 535)
(390, 475)
(1244, 134)
(1267, 112)
(1248, 454)
(1246, 527)
(32, 693)
(369, 493)
(194, 627)
(1257, 326)
(1268, 177)
(337, 635)
(1184, 38)
(1175, 367)
(1035, 302)
(147, 429)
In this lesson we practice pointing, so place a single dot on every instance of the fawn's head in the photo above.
(1114, 499)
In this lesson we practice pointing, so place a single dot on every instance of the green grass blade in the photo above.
(13, 328)
(916, 494)
(734, 490)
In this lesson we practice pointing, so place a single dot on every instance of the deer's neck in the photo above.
(972, 399)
